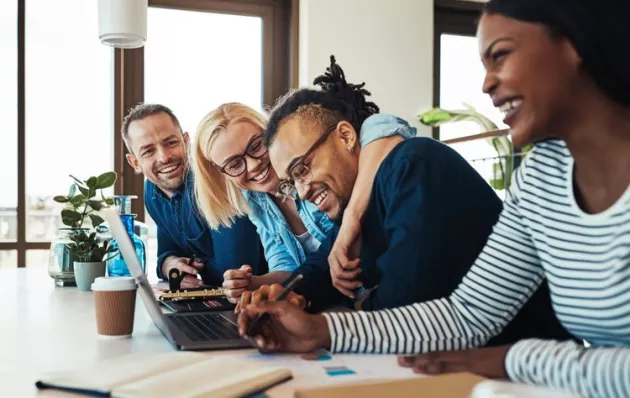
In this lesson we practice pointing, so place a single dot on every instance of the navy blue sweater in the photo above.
(182, 232)
(429, 215)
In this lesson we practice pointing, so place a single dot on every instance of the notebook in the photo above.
(175, 374)
(456, 385)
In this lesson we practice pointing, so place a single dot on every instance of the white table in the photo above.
(44, 329)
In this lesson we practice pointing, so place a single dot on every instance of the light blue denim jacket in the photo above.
(282, 249)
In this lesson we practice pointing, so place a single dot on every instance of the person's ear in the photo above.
(133, 162)
(348, 135)
(186, 138)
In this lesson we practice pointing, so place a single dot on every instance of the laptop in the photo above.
(188, 331)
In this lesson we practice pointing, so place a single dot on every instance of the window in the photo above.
(9, 146)
(68, 107)
(459, 76)
(65, 95)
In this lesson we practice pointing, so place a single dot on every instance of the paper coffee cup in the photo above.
(115, 304)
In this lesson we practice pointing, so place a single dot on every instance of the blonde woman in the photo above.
(233, 177)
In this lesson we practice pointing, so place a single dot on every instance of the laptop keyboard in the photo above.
(206, 327)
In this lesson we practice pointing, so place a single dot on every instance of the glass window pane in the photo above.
(8, 104)
(69, 84)
(8, 258)
(37, 258)
(195, 61)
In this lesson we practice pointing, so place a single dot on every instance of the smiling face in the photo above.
(231, 143)
(158, 150)
(531, 76)
(332, 167)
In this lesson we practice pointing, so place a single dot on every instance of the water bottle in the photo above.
(116, 265)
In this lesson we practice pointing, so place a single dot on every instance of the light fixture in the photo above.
(122, 23)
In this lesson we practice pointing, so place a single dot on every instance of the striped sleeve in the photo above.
(504, 276)
(590, 372)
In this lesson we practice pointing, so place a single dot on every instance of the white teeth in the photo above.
(510, 105)
(168, 169)
(320, 198)
(262, 175)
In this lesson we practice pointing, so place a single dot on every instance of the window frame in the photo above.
(280, 66)
(456, 17)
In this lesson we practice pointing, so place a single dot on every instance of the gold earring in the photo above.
(351, 149)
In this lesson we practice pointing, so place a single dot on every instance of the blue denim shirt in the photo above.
(282, 249)
(182, 231)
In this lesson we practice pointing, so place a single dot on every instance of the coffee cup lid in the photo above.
(114, 283)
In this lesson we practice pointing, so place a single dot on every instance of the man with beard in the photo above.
(158, 149)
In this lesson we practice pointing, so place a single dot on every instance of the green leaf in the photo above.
(79, 182)
(84, 191)
(96, 220)
(92, 182)
(60, 199)
(73, 190)
(67, 222)
(109, 201)
(106, 180)
(70, 215)
(95, 204)
(77, 200)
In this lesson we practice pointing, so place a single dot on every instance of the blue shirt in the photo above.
(283, 250)
(182, 232)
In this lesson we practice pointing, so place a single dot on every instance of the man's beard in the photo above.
(172, 184)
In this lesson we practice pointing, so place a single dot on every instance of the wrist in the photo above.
(255, 282)
(321, 332)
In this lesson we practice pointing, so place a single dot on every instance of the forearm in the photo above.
(590, 372)
(269, 279)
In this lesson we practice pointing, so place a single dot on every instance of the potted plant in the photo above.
(77, 243)
(503, 165)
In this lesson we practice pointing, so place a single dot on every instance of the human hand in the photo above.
(190, 271)
(236, 282)
(269, 293)
(487, 362)
(288, 329)
(344, 256)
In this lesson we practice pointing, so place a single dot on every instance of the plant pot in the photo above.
(86, 273)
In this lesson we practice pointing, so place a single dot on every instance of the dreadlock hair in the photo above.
(335, 100)
(598, 30)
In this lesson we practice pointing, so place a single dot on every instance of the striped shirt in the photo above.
(541, 232)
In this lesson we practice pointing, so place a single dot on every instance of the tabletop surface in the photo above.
(44, 328)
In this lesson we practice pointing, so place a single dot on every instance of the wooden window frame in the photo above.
(280, 66)
(450, 17)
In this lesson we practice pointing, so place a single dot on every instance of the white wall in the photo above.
(386, 43)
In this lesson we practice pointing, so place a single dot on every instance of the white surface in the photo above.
(112, 284)
(386, 44)
(46, 329)
(501, 389)
(123, 23)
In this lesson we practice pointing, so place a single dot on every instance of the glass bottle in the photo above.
(60, 261)
(116, 265)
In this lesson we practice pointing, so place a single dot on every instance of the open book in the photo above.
(177, 374)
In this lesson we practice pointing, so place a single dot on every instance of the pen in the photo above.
(254, 328)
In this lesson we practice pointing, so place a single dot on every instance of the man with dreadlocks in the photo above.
(428, 216)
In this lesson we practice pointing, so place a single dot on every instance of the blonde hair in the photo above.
(219, 200)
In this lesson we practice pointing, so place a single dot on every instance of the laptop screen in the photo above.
(129, 255)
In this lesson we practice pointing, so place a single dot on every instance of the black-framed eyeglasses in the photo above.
(237, 164)
(298, 172)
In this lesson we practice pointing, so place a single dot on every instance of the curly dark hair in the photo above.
(334, 101)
